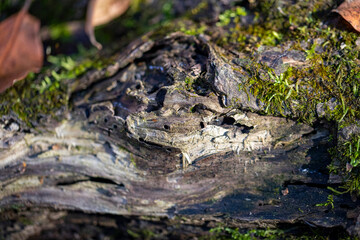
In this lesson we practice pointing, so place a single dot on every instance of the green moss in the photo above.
(142, 234)
(274, 90)
(226, 233)
(32, 98)
(273, 23)
(231, 15)
(25, 221)
(202, 6)
(132, 160)
(189, 82)
(230, 233)
(17, 207)
(193, 30)
(331, 78)
(347, 165)
(300, 90)
(329, 202)
(44, 94)
(184, 24)
(334, 73)
(352, 152)
(60, 32)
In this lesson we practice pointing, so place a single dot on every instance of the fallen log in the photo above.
(168, 131)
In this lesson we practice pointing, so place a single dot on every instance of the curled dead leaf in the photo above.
(21, 49)
(350, 11)
(101, 12)
(285, 191)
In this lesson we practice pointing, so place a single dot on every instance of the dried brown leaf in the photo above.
(101, 12)
(350, 11)
(21, 49)
(285, 191)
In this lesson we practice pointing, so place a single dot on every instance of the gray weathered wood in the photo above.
(141, 141)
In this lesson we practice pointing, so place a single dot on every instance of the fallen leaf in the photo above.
(101, 12)
(350, 11)
(22, 169)
(41, 180)
(285, 191)
(55, 147)
(21, 49)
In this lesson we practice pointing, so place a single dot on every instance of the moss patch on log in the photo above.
(45, 94)
(330, 82)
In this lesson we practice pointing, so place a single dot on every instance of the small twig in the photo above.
(26, 5)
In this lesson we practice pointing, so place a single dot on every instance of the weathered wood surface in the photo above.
(140, 141)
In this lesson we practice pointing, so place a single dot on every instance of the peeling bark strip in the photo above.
(152, 135)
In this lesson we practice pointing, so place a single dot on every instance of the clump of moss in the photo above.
(347, 165)
(231, 15)
(44, 94)
(269, 22)
(235, 234)
(227, 233)
(332, 74)
(193, 29)
(329, 202)
(29, 100)
(273, 90)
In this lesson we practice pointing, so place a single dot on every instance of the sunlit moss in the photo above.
(193, 29)
(347, 165)
(230, 15)
(330, 81)
(44, 94)
(228, 233)
(235, 234)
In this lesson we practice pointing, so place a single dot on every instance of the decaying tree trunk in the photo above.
(166, 132)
